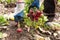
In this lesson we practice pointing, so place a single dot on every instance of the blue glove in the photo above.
(35, 3)
(19, 16)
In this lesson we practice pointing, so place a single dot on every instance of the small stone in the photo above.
(55, 34)
(5, 27)
(3, 38)
(47, 38)
(5, 35)
(58, 32)
(8, 28)
(37, 37)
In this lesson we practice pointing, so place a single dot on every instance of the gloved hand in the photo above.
(34, 4)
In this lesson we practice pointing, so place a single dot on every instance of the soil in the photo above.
(14, 35)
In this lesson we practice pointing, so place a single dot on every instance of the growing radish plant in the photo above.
(33, 18)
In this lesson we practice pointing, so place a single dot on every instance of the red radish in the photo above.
(28, 15)
(32, 19)
(32, 16)
(31, 11)
(19, 30)
(38, 13)
(36, 18)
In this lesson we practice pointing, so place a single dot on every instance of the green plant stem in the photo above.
(18, 24)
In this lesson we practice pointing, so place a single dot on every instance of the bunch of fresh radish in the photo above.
(34, 16)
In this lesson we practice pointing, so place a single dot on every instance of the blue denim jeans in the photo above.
(19, 16)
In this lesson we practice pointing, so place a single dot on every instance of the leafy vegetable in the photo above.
(8, 1)
(58, 0)
(27, 20)
(1, 35)
(3, 21)
(42, 7)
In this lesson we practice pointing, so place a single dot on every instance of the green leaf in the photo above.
(8, 1)
(2, 20)
(0, 0)
(58, 0)
(42, 7)
(1, 35)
